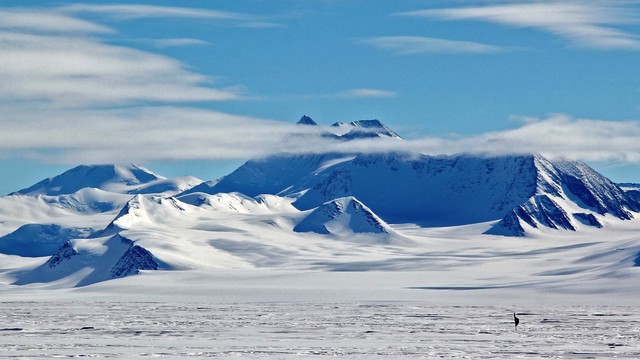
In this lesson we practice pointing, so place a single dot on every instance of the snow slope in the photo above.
(341, 216)
(104, 177)
(281, 174)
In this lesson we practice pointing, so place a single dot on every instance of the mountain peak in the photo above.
(362, 129)
(368, 124)
(104, 177)
(342, 215)
(305, 120)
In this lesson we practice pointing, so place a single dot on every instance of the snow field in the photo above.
(139, 330)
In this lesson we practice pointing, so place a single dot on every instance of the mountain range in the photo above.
(101, 222)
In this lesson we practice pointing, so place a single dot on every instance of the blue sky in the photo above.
(193, 87)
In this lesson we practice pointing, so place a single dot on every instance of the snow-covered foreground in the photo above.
(301, 330)
(258, 314)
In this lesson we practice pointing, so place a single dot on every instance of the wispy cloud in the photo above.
(47, 22)
(407, 45)
(358, 93)
(134, 11)
(586, 24)
(175, 42)
(135, 134)
(364, 93)
(138, 11)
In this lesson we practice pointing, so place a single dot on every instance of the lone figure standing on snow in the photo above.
(516, 320)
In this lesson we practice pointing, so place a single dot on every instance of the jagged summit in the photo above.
(115, 178)
(305, 120)
(362, 129)
(562, 187)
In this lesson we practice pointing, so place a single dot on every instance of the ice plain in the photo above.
(249, 324)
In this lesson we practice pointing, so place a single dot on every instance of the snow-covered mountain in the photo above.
(37, 220)
(360, 129)
(86, 261)
(442, 190)
(298, 211)
(123, 179)
(363, 129)
(306, 120)
(343, 215)
(104, 177)
(569, 194)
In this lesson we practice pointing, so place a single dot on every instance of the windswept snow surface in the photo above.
(136, 330)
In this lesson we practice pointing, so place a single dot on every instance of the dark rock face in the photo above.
(65, 252)
(600, 199)
(548, 213)
(540, 210)
(633, 195)
(587, 219)
(571, 181)
(132, 261)
(510, 224)
(305, 120)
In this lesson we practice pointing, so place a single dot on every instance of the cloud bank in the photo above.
(148, 134)
(59, 60)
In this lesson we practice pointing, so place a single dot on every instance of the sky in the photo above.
(198, 87)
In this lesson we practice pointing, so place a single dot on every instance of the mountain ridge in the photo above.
(97, 223)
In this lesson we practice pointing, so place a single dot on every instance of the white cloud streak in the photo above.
(137, 134)
(355, 94)
(586, 24)
(47, 22)
(124, 12)
(365, 93)
(135, 11)
(175, 42)
(409, 45)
